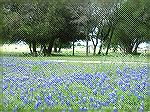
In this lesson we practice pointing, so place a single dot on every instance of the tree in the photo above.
(33, 22)
(131, 28)
(82, 14)
(51, 24)
(112, 22)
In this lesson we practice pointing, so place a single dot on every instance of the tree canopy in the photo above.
(51, 23)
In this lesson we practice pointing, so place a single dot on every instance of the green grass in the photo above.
(61, 69)
(113, 57)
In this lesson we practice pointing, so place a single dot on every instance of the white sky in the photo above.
(142, 45)
(22, 47)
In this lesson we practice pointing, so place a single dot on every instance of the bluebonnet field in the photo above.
(47, 86)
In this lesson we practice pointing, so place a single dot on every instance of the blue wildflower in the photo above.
(101, 81)
(106, 103)
(25, 100)
(119, 72)
(140, 97)
(98, 75)
(68, 103)
(79, 94)
(62, 102)
(42, 110)
(91, 99)
(95, 92)
(120, 82)
(91, 85)
(114, 100)
(49, 96)
(115, 109)
(15, 109)
(70, 110)
(122, 97)
(37, 104)
(5, 87)
(46, 100)
(127, 85)
(102, 92)
(84, 99)
(123, 88)
(39, 98)
(64, 110)
(95, 105)
(141, 109)
(83, 109)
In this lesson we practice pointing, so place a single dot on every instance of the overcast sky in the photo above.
(22, 46)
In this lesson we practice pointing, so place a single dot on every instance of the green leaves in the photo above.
(131, 26)
(72, 20)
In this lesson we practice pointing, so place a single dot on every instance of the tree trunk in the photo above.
(94, 52)
(60, 46)
(55, 48)
(41, 48)
(44, 49)
(129, 50)
(50, 46)
(87, 47)
(73, 48)
(30, 47)
(95, 45)
(59, 50)
(55, 45)
(114, 50)
(34, 48)
(100, 49)
(135, 49)
(109, 43)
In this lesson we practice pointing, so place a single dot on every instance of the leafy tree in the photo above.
(82, 14)
(33, 22)
(52, 24)
(131, 29)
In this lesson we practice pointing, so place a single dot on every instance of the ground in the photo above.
(75, 83)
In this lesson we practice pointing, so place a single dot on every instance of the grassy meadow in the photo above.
(64, 83)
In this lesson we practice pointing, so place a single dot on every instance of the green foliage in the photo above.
(43, 22)
(131, 29)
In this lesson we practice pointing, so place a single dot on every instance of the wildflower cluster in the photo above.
(35, 89)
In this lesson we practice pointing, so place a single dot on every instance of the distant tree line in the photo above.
(58, 23)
